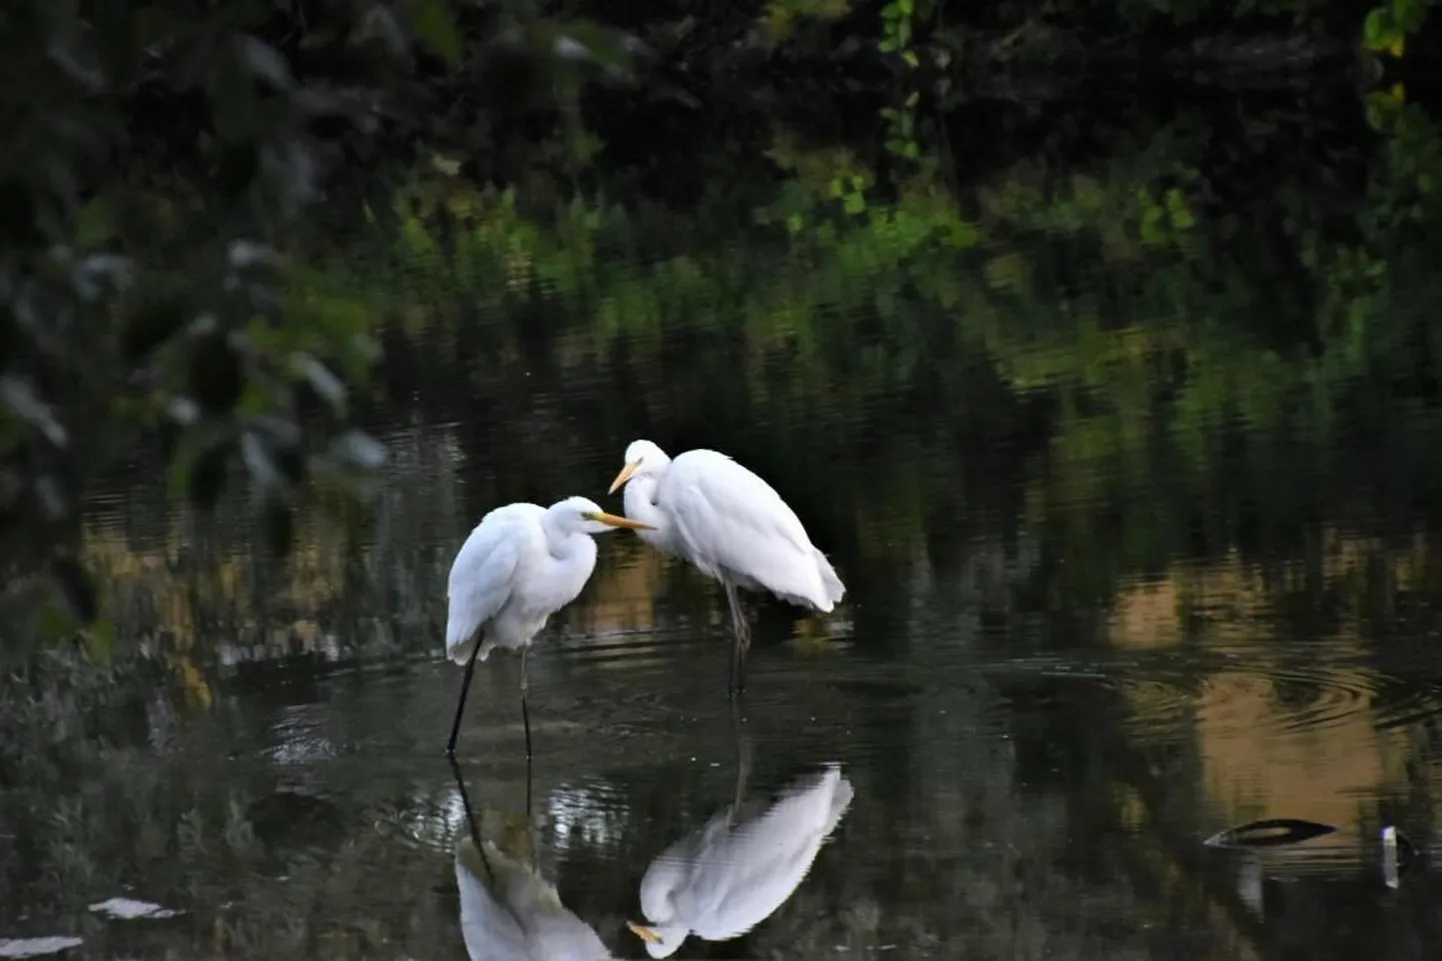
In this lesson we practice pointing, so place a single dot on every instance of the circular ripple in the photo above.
(1261, 699)
(1247, 691)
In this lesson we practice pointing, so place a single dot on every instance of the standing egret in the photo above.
(520, 565)
(705, 508)
(734, 872)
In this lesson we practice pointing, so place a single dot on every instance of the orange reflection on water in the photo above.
(1285, 727)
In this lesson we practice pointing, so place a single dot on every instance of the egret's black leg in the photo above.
(530, 823)
(741, 640)
(526, 715)
(743, 759)
(461, 702)
(471, 821)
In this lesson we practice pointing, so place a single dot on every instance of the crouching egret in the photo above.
(520, 565)
(733, 873)
(706, 509)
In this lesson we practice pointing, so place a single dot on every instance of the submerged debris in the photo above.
(126, 909)
(36, 947)
(1269, 832)
(1397, 854)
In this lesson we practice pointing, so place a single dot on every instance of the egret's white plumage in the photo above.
(510, 913)
(733, 873)
(520, 565)
(730, 524)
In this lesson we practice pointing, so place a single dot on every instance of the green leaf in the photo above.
(1382, 110)
(434, 26)
(57, 623)
(1379, 30)
(99, 639)
(1408, 15)
(1177, 207)
(1151, 225)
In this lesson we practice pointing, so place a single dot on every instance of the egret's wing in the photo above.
(715, 483)
(482, 577)
(752, 870)
(731, 520)
(568, 937)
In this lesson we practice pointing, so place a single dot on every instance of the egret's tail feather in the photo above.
(460, 652)
(830, 583)
(459, 649)
(840, 801)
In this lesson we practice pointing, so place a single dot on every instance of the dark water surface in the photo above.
(1130, 559)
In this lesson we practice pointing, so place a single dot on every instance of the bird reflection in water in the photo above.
(508, 911)
(721, 881)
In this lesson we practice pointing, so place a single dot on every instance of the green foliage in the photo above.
(137, 305)
(1387, 27)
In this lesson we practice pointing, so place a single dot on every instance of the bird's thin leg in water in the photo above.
(741, 642)
(525, 712)
(743, 760)
(461, 702)
(530, 824)
(471, 821)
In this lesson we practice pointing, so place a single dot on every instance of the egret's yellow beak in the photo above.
(615, 521)
(646, 934)
(624, 476)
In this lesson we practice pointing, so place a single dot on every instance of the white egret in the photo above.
(733, 873)
(731, 525)
(509, 912)
(520, 565)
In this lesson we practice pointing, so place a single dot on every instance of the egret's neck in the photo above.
(562, 542)
(640, 500)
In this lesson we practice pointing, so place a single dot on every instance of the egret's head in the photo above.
(643, 459)
(662, 940)
(585, 516)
